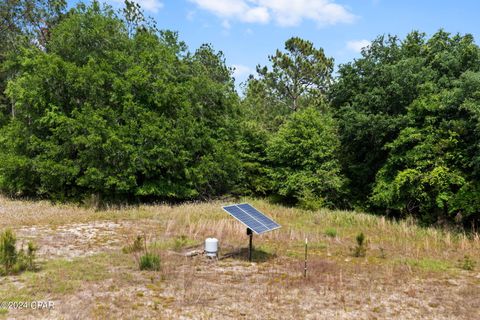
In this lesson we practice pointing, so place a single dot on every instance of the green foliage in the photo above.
(99, 104)
(254, 160)
(467, 263)
(331, 232)
(360, 250)
(13, 261)
(23, 23)
(150, 261)
(136, 246)
(304, 157)
(181, 242)
(429, 169)
(300, 76)
(30, 256)
(373, 96)
(146, 259)
(133, 116)
(8, 251)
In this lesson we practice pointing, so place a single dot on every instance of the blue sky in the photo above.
(247, 31)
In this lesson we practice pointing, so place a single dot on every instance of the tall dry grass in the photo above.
(196, 221)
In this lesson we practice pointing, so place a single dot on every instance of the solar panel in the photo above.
(251, 217)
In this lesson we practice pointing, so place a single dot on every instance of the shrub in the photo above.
(331, 232)
(308, 201)
(361, 248)
(150, 261)
(8, 252)
(180, 242)
(31, 255)
(467, 263)
(136, 246)
(13, 261)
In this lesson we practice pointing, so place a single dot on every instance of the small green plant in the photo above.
(331, 232)
(26, 259)
(150, 261)
(13, 261)
(360, 249)
(31, 255)
(8, 251)
(180, 242)
(467, 263)
(146, 260)
(136, 246)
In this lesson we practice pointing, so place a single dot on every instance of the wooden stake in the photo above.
(305, 269)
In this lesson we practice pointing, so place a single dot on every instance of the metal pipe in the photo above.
(250, 249)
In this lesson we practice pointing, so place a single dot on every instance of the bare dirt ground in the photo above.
(84, 272)
(83, 239)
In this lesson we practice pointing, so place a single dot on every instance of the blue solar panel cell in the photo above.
(267, 222)
(251, 217)
(246, 219)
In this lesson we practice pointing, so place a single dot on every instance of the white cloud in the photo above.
(226, 9)
(242, 71)
(257, 14)
(323, 12)
(147, 5)
(150, 5)
(283, 12)
(357, 45)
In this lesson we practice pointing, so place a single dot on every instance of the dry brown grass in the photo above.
(409, 272)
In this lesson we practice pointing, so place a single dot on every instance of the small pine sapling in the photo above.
(360, 249)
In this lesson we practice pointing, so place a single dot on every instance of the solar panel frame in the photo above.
(251, 218)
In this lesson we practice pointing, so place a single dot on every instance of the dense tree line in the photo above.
(99, 102)
(98, 110)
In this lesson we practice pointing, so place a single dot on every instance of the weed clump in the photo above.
(150, 261)
(331, 232)
(8, 252)
(136, 246)
(360, 249)
(146, 260)
(13, 261)
(467, 263)
(180, 242)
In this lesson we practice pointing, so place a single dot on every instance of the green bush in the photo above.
(150, 261)
(304, 152)
(180, 242)
(12, 261)
(135, 117)
(331, 232)
(360, 249)
(31, 255)
(467, 263)
(8, 251)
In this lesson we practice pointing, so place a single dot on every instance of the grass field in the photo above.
(408, 272)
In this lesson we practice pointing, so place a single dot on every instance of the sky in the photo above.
(248, 31)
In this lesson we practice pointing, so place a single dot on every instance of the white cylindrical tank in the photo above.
(211, 247)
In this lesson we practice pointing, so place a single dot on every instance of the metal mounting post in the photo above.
(250, 234)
